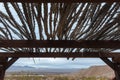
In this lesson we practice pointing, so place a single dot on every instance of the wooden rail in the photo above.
(60, 55)
(60, 44)
(61, 1)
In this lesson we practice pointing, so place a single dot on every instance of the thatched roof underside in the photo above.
(59, 21)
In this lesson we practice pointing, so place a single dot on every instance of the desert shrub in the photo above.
(93, 78)
(53, 77)
(61, 78)
(89, 78)
(25, 77)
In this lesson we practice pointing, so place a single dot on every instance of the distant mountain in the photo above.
(20, 68)
(95, 71)
(33, 70)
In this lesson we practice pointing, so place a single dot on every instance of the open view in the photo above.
(58, 29)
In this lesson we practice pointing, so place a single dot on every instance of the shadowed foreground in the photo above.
(53, 77)
(91, 73)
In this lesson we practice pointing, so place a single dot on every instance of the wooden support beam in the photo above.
(60, 43)
(2, 73)
(59, 54)
(117, 71)
(10, 62)
(3, 62)
(108, 62)
(61, 1)
(4, 65)
(114, 65)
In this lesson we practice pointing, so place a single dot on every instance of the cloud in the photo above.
(59, 63)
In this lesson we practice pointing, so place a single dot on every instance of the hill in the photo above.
(95, 71)
(38, 71)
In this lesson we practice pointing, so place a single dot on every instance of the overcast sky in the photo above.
(59, 62)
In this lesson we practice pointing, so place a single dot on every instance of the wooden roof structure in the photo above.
(59, 24)
(55, 28)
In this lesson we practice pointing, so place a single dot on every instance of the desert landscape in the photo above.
(30, 73)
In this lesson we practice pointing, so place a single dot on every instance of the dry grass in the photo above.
(50, 77)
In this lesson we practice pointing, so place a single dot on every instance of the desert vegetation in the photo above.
(50, 77)
(91, 73)
(58, 21)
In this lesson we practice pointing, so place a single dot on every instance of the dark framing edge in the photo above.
(114, 44)
(60, 54)
(60, 1)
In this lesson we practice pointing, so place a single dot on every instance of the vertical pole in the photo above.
(2, 72)
(4, 65)
(117, 71)
(116, 64)
(3, 62)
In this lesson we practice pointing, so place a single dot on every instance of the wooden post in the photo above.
(3, 62)
(2, 72)
(117, 71)
(116, 63)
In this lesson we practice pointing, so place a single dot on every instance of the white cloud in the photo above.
(59, 63)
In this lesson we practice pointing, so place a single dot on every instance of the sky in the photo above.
(59, 62)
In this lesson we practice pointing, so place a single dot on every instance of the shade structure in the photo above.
(60, 1)
(68, 22)
(110, 44)
(60, 21)
(59, 55)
